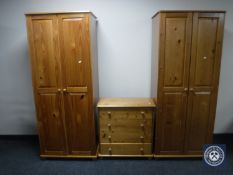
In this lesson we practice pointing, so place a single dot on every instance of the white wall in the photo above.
(124, 45)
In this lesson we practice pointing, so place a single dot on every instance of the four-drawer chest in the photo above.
(126, 127)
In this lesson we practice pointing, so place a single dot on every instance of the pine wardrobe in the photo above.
(65, 81)
(186, 57)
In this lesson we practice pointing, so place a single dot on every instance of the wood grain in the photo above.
(204, 70)
(126, 126)
(189, 57)
(174, 59)
(125, 102)
(62, 67)
(126, 149)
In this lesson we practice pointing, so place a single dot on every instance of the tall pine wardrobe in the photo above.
(186, 57)
(63, 55)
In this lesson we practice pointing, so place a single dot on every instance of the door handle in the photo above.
(191, 89)
(64, 90)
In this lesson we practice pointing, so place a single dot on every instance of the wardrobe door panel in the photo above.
(79, 123)
(75, 49)
(205, 51)
(204, 77)
(175, 40)
(50, 123)
(174, 61)
(45, 51)
(199, 120)
(173, 122)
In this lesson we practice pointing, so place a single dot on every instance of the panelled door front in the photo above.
(76, 82)
(204, 73)
(173, 82)
(46, 73)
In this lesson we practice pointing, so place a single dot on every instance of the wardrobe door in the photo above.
(74, 35)
(44, 49)
(204, 75)
(173, 82)
(79, 123)
(50, 124)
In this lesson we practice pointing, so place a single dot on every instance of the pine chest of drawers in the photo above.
(126, 127)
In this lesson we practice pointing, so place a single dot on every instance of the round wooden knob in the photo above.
(109, 115)
(110, 150)
(109, 138)
(142, 138)
(142, 150)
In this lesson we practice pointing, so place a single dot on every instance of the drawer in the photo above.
(122, 114)
(129, 126)
(117, 134)
(125, 149)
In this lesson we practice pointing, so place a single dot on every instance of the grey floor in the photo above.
(20, 156)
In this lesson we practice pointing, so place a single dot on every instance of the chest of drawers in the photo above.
(126, 127)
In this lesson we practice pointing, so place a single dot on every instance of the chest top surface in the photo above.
(126, 102)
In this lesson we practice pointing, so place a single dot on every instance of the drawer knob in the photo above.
(143, 114)
(142, 150)
(142, 138)
(109, 114)
(109, 126)
(110, 138)
(142, 125)
(110, 150)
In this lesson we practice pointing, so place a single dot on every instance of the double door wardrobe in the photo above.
(65, 81)
(186, 57)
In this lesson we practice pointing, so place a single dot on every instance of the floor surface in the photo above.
(20, 156)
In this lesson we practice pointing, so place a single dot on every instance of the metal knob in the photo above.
(204, 57)
(80, 61)
(191, 89)
(185, 89)
(64, 90)
(59, 90)
(142, 125)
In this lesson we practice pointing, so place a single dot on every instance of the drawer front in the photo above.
(125, 149)
(126, 126)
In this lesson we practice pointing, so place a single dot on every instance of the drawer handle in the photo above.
(110, 138)
(110, 150)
